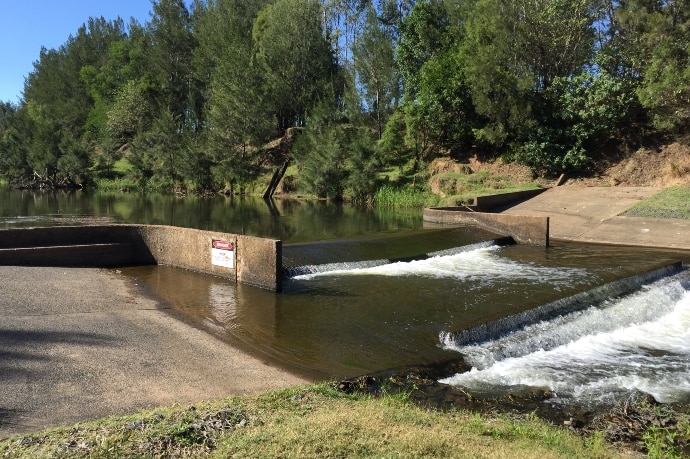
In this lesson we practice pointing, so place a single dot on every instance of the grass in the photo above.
(450, 188)
(389, 196)
(117, 179)
(313, 421)
(672, 202)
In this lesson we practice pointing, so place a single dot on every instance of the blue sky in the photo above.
(29, 24)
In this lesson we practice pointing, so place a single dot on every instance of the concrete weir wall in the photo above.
(527, 230)
(245, 259)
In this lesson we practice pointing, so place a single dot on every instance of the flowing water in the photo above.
(640, 341)
(369, 290)
(356, 318)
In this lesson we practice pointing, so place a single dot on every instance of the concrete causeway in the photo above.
(592, 215)
(82, 343)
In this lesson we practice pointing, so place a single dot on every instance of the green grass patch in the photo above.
(673, 202)
(389, 196)
(122, 166)
(116, 184)
(314, 421)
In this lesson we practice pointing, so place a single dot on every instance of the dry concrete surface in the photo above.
(78, 344)
(592, 215)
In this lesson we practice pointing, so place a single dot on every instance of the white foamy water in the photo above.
(480, 265)
(640, 342)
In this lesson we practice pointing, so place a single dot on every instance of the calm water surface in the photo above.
(351, 316)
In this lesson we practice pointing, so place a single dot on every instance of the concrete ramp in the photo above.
(593, 215)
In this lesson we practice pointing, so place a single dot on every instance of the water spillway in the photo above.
(343, 255)
(349, 320)
(639, 341)
(572, 303)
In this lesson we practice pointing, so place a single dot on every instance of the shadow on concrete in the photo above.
(22, 350)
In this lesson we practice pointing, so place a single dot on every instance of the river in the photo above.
(354, 304)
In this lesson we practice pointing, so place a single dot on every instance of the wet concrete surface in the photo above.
(78, 344)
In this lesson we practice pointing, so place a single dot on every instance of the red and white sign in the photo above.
(223, 253)
(223, 245)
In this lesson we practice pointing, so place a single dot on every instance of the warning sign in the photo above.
(223, 253)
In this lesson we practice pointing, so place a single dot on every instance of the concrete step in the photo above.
(73, 255)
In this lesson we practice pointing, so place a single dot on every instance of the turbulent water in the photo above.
(480, 264)
(637, 342)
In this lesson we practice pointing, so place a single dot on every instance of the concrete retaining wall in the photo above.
(525, 230)
(245, 259)
(503, 200)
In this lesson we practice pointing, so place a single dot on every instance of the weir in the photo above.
(245, 259)
(596, 357)
(295, 271)
(500, 327)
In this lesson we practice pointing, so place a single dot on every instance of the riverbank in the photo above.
(307, 422)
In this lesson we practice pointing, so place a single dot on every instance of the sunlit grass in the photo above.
(389, 196)
(315, 421)
(673, 202)
(459, 189)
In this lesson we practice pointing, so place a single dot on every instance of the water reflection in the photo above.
(288, 220)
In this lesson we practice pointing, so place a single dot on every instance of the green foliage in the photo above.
(296, 59)
(665, 89)
(422, 33)
(321, 156)
(192, 96)
(364, 165)
(375, 70)
(129, 113)
(444, 105)
(551, 153)
(389, 196)
(240, 116)
(15, 131)
(394, 149)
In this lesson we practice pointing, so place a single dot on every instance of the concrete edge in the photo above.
(579, 301)
(528, 230)
(246, 259)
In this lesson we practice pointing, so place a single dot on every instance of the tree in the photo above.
(322, 152)
(422, 33)
(512, 52)
(15, 130)
(239, 117)
(444, 104)
(665, 86)
(375, 70)
(173, 94)
(295, 57)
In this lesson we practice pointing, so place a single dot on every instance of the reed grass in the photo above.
(389, 196)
